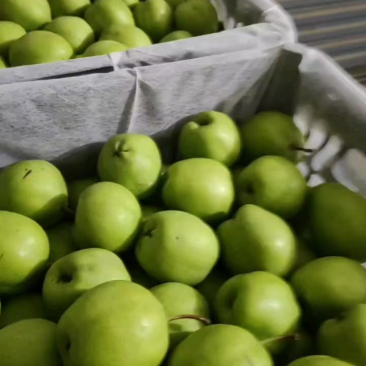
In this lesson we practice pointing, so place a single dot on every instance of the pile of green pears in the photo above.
(224, 257)
(43, 31)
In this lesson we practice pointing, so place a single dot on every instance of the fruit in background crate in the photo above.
(104, 48)
(219, 345)
(131, 36)
(246, 246)
(175, 246)
(329, 286)
(273, 183)
(27, 306)
(9, 32)
(2, 63)
(344, 337)
(177, 300)
(30, 14)
(106, 12)
(272, 133)
(75, 30)
(76, 273)
(262, 303)
(175, 36)
(108, 216)
(34, 188)
(30, 342)
(39, 47)
(202, 187)
(210, 286)
(24, 252)
(119, 316)
(76, 188)
(211, 135)
(132, 160)
(319, 361)
(155, 17)
(336, 217)
(68, 7)
(61, 241)
(197, 17)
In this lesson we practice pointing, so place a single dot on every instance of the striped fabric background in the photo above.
(337, 27)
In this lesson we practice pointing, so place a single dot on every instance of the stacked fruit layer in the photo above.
(225, 257)
(41, 31)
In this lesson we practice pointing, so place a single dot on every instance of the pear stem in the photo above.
(292, 337)
(195, 317)
(302, 149)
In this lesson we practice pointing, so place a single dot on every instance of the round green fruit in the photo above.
(9, 32)
(177, 247)
(60, 8)
(130, 35)
(39, 47)
(75, 30)
(104, 48)
(30, 14)
(108, 216)
(119, 316)
(208, 192)
(34, 188)
(197, 17)
(24, 252)
(176, 36)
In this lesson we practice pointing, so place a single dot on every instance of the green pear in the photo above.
(272, 133)
(319, 361)
(177, 300)
(211, 285)
(174, 3)
(30, 14)
(104, 48)
(328, 286)
(220, 345)
(116, 323)
(147, 211)
(9, 32)
(39, 47)
(76, 188)
(131, 3)
(155, 17)
(105, 12)
(61, 241)
(211, 135)
(208, 194)
(21, 307)
(260, 302)
(24, 252)
(176, 36)
(129, 35)
(344, 337)
(76, 273)
(132, 160)
(34, 188)
(60, 8)
(75, 30)
(273, 183)
(246, 247)
(2, 63)
(177, 247)
(336, 218)
(197, 17)
(108, 216)
(30, 342)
